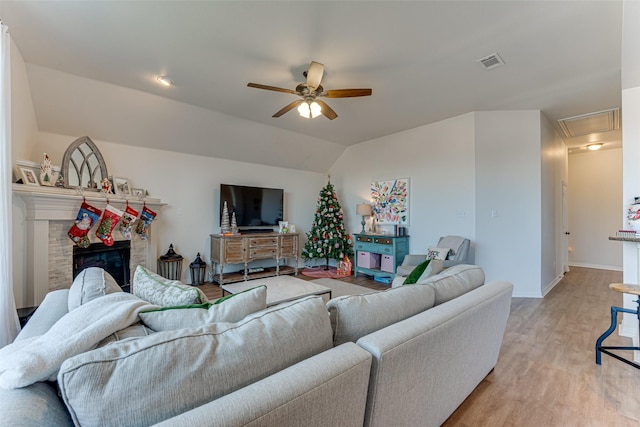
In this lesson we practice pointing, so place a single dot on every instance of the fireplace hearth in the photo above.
(114, 259)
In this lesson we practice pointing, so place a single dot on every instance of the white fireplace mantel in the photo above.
(46, 204)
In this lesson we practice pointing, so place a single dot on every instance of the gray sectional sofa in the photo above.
(408, 356)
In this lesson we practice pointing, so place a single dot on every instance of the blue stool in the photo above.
(627, 289)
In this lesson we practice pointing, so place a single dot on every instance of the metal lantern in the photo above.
(170, 265)
(198, 268)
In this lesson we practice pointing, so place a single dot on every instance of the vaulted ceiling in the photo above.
(92, 68)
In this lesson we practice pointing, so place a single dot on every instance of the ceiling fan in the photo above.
(309, 105)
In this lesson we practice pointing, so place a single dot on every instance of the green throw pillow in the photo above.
(416, 273)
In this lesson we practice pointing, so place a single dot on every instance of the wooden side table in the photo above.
(627, 289)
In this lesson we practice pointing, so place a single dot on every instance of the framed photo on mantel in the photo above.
(28, 176)
(121, 185)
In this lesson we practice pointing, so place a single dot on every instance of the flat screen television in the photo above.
(255, 207)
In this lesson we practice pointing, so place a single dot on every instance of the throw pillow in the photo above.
(129, 382)
(232, 308)
(437, 253)
(416, 272)
(157, 290)
(89, 284)
(136, 330)
(434, 267)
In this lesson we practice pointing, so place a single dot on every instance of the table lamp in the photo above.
(364, 209)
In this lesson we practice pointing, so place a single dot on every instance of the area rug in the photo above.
(340, 288)
(320, 272)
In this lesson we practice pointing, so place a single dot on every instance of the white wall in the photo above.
(508, 194)
(439, 161)
(595, 200)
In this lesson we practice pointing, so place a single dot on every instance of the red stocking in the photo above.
(87, 215)
(110, 218)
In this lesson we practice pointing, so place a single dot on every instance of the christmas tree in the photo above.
(327, 238)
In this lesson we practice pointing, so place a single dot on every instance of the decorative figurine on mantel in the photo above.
(47, 176)
(105, 186)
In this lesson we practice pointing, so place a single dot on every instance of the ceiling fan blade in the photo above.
(314, 75)
(277, 89)
(346, 93)
(288, 108)
(326, 110)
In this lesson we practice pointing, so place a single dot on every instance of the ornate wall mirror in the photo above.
(83, 165)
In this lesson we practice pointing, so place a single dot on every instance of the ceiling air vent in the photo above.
(585, 124)
(491, 61)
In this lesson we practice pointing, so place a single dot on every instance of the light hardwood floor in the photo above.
(546, 374)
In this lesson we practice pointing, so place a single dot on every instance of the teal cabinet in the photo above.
(390, 249)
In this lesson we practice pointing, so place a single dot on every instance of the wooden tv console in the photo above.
(245, 248)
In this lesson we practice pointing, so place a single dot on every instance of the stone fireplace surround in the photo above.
(51, 211)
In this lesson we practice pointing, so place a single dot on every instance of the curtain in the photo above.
(9, 324)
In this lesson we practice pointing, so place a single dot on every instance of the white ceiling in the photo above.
(419, 57)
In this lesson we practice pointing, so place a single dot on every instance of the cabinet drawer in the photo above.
(262, 252)
(364, 239)
(255, 242)
(363, 246)
(383, 240)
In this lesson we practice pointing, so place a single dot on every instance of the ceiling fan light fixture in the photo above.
(309, 109)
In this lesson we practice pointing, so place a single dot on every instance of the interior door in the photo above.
(565, 227)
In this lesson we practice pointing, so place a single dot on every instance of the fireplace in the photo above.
(48, 213)
(114, 259)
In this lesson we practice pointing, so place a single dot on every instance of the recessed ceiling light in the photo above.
(165, 81)
(594, 147)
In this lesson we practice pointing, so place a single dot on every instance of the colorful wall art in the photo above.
(390, 200)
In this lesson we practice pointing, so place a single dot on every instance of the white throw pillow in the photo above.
(437, 253)
(157, 290)
(89, 284)
(232, 308)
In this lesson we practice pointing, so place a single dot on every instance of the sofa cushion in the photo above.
(416, 272)
(455, 281)
(354, 316)
(35, 405)
(232, 308)
(91, 283)
(157, 290)
(147, 380)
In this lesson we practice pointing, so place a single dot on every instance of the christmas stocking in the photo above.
(87, 215)
(110, 218)
(146, 218)
(128, 218)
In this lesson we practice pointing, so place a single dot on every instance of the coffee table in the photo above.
(280, 288)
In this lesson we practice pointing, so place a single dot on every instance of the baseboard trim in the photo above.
(551, 285)
(596, 266)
